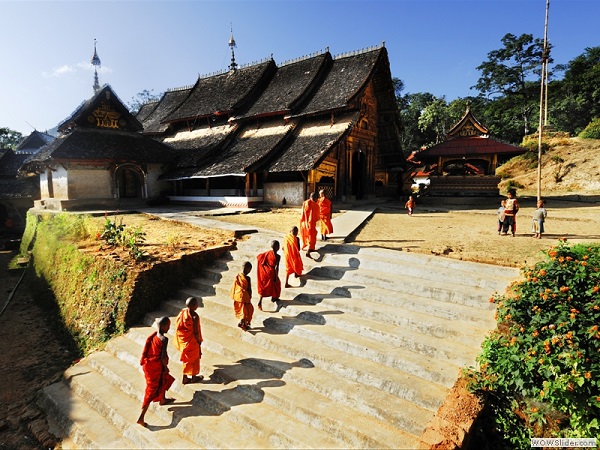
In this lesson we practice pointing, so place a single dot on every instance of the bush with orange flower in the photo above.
(539, 372)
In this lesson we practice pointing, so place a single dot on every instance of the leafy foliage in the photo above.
(540, 370)
(116, 235)
(9, 138)
(592, 131)
(143, 97)
(575, 99)
(510, 72)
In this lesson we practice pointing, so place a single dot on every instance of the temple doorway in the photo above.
(358, 174)
(129, 182)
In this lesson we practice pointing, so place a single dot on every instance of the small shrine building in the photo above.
(465, 163)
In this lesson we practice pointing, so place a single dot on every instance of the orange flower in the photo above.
(542, 394)
(588, 375)
(595, 289)
(535, 333)
(534, 410)
(584, 263)
(542, 272)
(564, 289)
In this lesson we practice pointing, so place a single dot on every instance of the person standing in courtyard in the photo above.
(155, 363)
(325, 215)
(410, 205)
(188, 340)
(501, 210)
(267, 274)
(292, 257)
(241, 293)
(308, 223)
(539, 217)
(510, 213)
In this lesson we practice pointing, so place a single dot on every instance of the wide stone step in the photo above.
(434, 262)
(84, 427)
(240, 350)
(116, 367)
(255, 419)
(347, 331)
(122, 411)
(377, 320)
(407, 382)
(317, 411)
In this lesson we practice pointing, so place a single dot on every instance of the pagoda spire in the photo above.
(233, 66)
(96, 63)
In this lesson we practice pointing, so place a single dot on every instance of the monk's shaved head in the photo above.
(247, 266)
(275, 245)
(191, 301)
(313, 195)
(294, 230)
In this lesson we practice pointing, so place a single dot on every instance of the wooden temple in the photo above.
(465, 163)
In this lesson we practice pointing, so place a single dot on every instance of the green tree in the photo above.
(141, 98)
(575, 100)
(9, 138)
(512, 73)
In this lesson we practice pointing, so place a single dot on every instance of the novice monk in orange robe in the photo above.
(308, 223)
(267, 274)
(155, 363)
(241, 293)
(188, 339)
(325, 215)
(291, 252)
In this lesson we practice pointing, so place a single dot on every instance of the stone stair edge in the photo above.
(376, 426)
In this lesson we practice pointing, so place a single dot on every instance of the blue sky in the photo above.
(434, 46)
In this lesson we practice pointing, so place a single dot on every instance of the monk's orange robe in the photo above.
(241, 293)
(187, 327)
(325, 214)
(267, 276)
(158, 378)
(308, 224)
(291, 252)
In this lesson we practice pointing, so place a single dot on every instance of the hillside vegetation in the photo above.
(568, 165)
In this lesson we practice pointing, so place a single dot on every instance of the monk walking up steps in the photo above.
(241, 293)
(267, 274)
(188, 339)
(155, 362)
(291, 253)
(325, 215)
(308, 223)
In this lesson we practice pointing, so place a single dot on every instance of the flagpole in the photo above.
(543, 103)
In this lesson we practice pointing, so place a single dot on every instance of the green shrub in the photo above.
(540, 370)
(512, 184)
(592, 131)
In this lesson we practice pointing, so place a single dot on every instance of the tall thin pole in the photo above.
(543, 103)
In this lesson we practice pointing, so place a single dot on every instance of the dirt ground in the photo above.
(455, 228)
(461, 228)
(35, 350)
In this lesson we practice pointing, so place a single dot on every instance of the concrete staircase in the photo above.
(360, 356)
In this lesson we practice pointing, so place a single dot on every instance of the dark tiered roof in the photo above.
(101, 145)
(345, 79)
(84, 113)
(312, 141)
(289, 86)
(12, 187)
(145, 110)
(33, 142)
(223, 94)
(469, 146)
(249, 146)
(170, 101)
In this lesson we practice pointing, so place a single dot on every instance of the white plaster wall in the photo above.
(157, 187)
(293, 192)
(89, 183)
(43, 186)
(59, 183)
